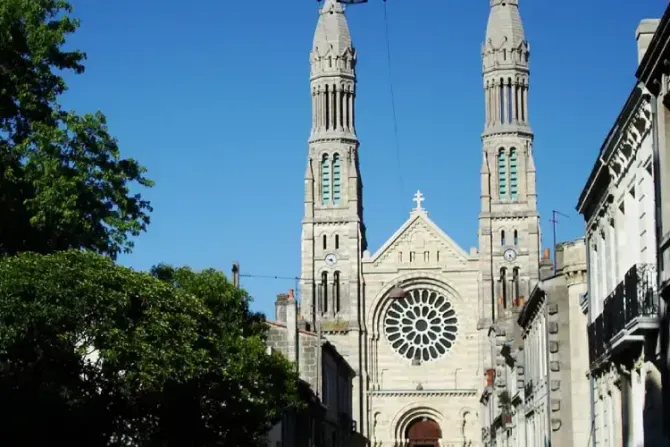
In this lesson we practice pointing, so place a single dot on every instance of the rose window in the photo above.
(423, 325)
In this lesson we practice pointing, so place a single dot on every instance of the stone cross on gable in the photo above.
(418, 198)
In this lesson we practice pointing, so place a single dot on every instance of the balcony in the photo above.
(629, 312)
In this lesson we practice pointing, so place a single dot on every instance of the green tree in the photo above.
(94, 354)
(63, 182)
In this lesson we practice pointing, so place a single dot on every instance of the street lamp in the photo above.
(397, 293)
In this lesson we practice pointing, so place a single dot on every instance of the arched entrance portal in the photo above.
(423, 432)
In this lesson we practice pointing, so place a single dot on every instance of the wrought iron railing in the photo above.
(641, 291)
(634, 297)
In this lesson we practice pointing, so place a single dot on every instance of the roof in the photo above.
(332, 29)
(505, 23)
(428, 228)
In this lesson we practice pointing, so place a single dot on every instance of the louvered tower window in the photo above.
(502, 174)
(325, 180)
(513, 175)
(336, 178)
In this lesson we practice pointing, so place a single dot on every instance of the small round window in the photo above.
(423, 325)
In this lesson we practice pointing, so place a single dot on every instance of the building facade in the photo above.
(654, 73)
(618, 204)
(325, 385)
(538, 394)
(555, 355)
(413, 318)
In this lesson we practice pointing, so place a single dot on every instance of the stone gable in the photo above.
(420, 243)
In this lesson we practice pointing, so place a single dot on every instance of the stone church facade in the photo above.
(412, 318)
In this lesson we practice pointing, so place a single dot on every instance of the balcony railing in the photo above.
(630, 309)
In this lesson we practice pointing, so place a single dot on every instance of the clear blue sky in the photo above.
(212, 96)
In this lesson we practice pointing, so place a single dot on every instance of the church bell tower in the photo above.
(509, 230)
(333, 233)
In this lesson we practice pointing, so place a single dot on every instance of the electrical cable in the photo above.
(392, 90)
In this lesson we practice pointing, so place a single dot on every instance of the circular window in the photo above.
(423, 325)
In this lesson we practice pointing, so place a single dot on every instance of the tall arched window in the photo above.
(516, 237)
(515, 286)
(336, 291)
(336, 179)
(502, 237)
(324, 292)
(513, 180)
(503, 287)
(337, 241)
(324, 241)
(502, 174)
(325, 180)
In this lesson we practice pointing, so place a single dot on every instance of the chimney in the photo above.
(292, 326)
(236, 274)
(643, 34)
(280, 307)
(546, 266)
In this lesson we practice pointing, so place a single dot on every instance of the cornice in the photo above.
(425, 393)
(317, 138)
(321, 74)
(512, 131)
(637, 127)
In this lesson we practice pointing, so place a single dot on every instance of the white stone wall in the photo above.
(621, 233)
(445, 390)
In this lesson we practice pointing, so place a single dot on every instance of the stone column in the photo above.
(315, 112)
(339, 118)
(320, 107)
(514, 102)
(487, 103)
(351, 110)
(292, 327)
(333, 108)
(638, 394)
(496, 99)
(525, 102)
(518, 96)
(505, 102)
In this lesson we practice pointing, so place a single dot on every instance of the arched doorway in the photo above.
(423, 432)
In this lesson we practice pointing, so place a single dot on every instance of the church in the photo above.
(412, 318)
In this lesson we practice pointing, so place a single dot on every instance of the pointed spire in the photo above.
(332, 29)
(504, 25)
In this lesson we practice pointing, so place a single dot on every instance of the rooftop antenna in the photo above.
(554, 221)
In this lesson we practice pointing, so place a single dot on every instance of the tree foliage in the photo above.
(63, 182)
(94, 354)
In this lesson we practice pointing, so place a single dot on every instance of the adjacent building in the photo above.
(325, 387)
(619, 206)
(654, 74)
(540, 389)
